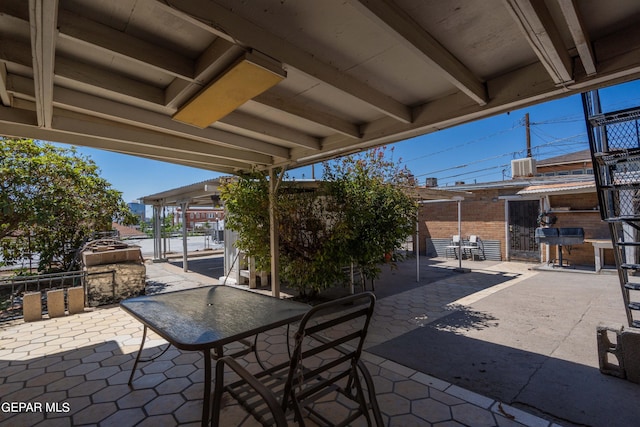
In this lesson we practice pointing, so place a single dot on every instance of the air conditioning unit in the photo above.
(523, 167)
(431, 182)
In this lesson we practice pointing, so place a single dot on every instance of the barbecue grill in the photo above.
(561, 237)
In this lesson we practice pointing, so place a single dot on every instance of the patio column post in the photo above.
(507, 245)
(417, 245)
(183, 208)
(460, 234)
(274, 244)
(157, 233)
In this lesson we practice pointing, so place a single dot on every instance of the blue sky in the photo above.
(480, 151)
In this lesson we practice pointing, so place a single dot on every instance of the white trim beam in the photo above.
(246, 32)
(43, 16)
(534, 19)
(579, 34)
(411, 35)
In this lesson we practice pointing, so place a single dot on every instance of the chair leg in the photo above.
(217, 395)
(373, 401)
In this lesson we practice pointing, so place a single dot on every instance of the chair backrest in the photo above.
(473, 239)
(328, 345)
(455, 238)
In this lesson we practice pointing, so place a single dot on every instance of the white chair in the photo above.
(453, 245)
(474, 245)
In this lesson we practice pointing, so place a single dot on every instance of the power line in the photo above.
(512, 154)
(474, 141)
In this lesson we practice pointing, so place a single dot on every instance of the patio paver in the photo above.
(83, 362)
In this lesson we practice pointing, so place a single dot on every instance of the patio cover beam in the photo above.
(534, 19)
(43, 16)
(411, 35)
(214, 17)
(579, 34)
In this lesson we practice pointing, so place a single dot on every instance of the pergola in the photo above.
(204, 193)
(233, 86)
(196, 194)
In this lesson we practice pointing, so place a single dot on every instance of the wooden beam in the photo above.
(275, 131)
(306, 112)
(274, 236)
(119, 44)
(23, 123)
(246, 32)
(95, 80)
(411, 35)
(5, 98)
(43, 16)
(123, 113)
(579, 34)
(219, 56)
(76, 123)
(99, 107)
(534, 19)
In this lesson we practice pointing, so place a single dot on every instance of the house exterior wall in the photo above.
(571, 169)
(196, 216)
(583, 213)
(484, 215)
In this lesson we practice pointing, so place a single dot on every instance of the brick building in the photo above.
(201, 217)
(561, 190)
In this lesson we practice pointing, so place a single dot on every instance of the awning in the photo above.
(561, 188)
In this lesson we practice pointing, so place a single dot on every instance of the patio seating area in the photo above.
(77, 367)
(470, 247)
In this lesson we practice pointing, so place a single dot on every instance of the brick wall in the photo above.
(483, 215)
(582, 214)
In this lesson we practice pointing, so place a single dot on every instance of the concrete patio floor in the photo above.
(77, 367)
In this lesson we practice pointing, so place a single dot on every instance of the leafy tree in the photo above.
(312, 252)
(378, 213)
(247, 202)
(360, 212)
(146, 228)
(51, 200)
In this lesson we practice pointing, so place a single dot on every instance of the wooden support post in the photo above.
(274, 238)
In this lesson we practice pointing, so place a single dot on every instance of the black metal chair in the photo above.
(325, 360)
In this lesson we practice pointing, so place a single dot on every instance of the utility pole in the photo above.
(528, 130)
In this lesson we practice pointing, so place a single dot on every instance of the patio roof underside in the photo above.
(350, 74)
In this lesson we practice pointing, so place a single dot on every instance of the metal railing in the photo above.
(12, 290)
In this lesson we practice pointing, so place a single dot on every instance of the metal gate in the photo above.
(523, 216)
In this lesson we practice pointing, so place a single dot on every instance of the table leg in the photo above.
(135, 364)
(206, 401)
(598, 253)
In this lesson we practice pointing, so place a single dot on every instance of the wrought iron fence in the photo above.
(12, 290)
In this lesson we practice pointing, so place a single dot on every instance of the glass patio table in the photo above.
(205, 319)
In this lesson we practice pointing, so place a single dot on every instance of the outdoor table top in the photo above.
(212, 316)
